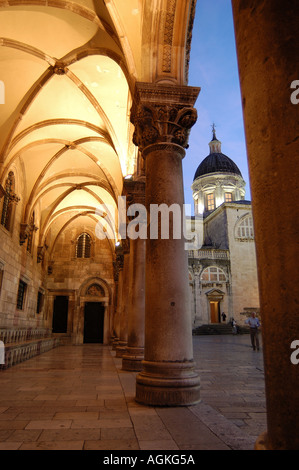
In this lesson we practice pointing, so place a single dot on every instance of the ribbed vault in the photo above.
(69, 70)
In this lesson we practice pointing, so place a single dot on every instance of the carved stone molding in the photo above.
(95, 290)
(59, 68)
(163, 114)
(41, 252)
(168, 35)
(134, 192)
(25, 230)
(126, 246)
(189, 38)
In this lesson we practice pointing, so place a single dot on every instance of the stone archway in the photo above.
(93, 291)
(215, 296)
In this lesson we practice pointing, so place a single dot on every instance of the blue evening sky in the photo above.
(213, 68)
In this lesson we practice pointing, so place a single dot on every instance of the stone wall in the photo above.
(71, 276)
(244, 283)
(17, 263)
(59, 272)
(235, 256)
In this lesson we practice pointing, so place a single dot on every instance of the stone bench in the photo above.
(25, 343)
(17, 335)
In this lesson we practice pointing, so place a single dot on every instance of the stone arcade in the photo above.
(98, 106)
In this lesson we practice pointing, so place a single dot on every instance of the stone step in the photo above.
(218, 329)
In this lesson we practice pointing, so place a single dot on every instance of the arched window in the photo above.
(8, 200)
(213, 274)
(244, 229)
(83, 246)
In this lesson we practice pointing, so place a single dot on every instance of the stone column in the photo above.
(163, 117)
(123, 320)
(134, 354)
(267, 47)
(119, 265)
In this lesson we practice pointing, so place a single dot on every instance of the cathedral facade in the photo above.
(222, 271)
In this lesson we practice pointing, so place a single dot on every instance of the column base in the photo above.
(121, 348)
(132, 359)
(261, 442)
(168, 384)
(115, 343)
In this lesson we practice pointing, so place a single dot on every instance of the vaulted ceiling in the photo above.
(69, 70)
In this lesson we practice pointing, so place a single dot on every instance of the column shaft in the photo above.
(135, 348)
(163, 117)
(123, 329)
(267, 46)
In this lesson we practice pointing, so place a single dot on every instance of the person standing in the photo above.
(254, 325)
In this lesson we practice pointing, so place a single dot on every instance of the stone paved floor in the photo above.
(77, 397)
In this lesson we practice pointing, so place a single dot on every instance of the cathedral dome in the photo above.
(216, 163)
(216, 180)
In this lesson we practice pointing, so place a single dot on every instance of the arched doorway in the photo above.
(94, 313)
(215, 296)
(92, 324)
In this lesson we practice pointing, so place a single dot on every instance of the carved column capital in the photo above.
(134, 191)
(163, 114)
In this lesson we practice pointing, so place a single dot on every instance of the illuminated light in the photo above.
(135, 11)
(200, 208)
(219, 201)
(128, 177)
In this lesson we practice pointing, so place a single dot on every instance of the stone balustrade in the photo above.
(24, 343)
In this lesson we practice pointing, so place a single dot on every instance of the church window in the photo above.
(244, 229)
(83, 246)
(21, 294)
(210, 202)
(213, 274)
(228, 197)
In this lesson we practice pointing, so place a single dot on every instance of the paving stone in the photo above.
(25, 435)
(158, 445)
(117, 433)
(69, 434)
(106, 444)
(149, 428)
(49, 424)
(75, 415)
(7, 445)
(57, 401)
(188, 431)
(52, 445)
